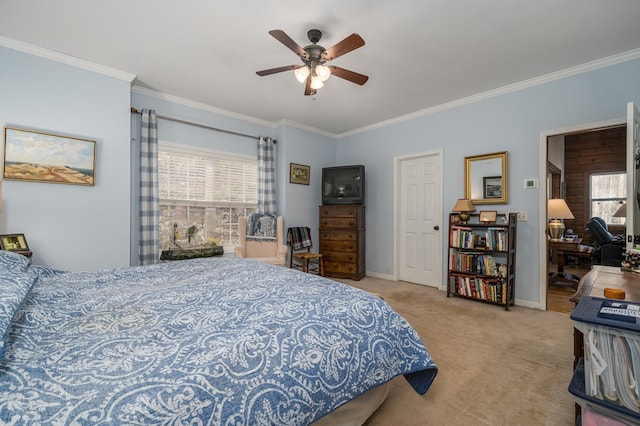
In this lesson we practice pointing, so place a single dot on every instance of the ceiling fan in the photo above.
(314, 72)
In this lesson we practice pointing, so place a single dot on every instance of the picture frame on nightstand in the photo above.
(14, 242)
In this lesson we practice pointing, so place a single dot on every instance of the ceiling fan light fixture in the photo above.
(302, 73)
(316, 83)
(322, 72)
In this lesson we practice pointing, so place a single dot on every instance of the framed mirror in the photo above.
(486, 178)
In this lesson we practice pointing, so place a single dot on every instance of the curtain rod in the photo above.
(192, 123)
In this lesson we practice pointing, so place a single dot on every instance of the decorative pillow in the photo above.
(13, 261)
(15, 284)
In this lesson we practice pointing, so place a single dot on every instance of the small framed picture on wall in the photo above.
(299, 173)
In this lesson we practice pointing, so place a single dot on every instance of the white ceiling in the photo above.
(418, 53)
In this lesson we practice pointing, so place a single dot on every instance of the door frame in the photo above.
(438, 153)
(542, 195)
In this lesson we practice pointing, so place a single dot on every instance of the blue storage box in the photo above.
(595, 411)
(611, 330)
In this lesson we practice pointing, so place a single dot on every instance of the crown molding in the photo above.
(198, 105)
(226, 113)
(547, 78)
(65, 59)
(297, 125)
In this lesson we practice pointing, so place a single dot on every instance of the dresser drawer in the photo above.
(339, 256)
(340, 268)
(339, 211)
(338, 235)
(325, 246)
(339, 222)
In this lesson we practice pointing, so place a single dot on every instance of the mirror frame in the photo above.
(468, 161)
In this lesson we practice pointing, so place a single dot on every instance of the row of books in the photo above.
(483, 264)
(492, 239)
(491, 289)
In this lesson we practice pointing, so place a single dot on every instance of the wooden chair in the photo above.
(299, 239)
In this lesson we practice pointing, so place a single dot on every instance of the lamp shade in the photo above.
(557, 209)
(463, 205)
(622, 211)
(301, 73)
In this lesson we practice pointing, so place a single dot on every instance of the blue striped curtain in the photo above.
(266, 176)
(149, 199)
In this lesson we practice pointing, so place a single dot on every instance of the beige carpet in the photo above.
(496, 367)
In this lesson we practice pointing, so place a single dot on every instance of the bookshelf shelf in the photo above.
(482, 259)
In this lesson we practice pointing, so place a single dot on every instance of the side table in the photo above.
(562, 248)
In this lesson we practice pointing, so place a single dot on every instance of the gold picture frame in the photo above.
(13, 242)
(488, 216)
(36, 156)
(299, 173)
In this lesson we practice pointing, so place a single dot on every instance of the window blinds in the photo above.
(198, 178)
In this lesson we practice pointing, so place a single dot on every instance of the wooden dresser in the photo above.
(342, 243)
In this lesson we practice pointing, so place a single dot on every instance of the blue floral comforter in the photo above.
(216, 341)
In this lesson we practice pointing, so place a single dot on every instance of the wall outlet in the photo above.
(523, 217)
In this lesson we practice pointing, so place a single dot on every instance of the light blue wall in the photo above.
(510, 122)
(300, 202)
(69, 226)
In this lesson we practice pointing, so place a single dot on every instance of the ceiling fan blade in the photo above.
(277, 70)
(307, 87)
(350, 43)
(351, 76)
(283, 38)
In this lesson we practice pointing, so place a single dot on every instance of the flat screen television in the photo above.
(343, 185)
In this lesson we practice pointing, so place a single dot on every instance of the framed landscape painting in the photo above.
(30, 155)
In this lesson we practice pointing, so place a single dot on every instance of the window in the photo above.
(608, 192)
(202, 194)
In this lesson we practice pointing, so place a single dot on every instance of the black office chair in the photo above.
(610, 248)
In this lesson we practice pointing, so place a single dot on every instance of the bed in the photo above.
(214, 341)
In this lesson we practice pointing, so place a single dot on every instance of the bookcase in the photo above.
(482, 259)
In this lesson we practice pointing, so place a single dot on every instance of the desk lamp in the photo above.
(463, 207)
(557, 211)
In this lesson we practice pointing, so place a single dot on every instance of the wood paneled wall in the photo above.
(599, 151)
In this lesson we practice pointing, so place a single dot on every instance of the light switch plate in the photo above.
(523, 216)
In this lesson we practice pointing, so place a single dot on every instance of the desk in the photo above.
(562, 248)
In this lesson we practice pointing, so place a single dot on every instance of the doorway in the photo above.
(571, 157)
(418, 213)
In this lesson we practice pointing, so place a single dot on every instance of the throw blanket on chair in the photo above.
(261, 227)
(300, 237)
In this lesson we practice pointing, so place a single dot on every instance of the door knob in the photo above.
(436, 227)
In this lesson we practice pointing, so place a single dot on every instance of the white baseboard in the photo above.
(381, 276)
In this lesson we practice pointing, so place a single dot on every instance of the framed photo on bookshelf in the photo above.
(488, 216)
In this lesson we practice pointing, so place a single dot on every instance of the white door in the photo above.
(633, 175)
(420, 220)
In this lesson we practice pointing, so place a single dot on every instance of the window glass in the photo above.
(202, 194)
(608, 192)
